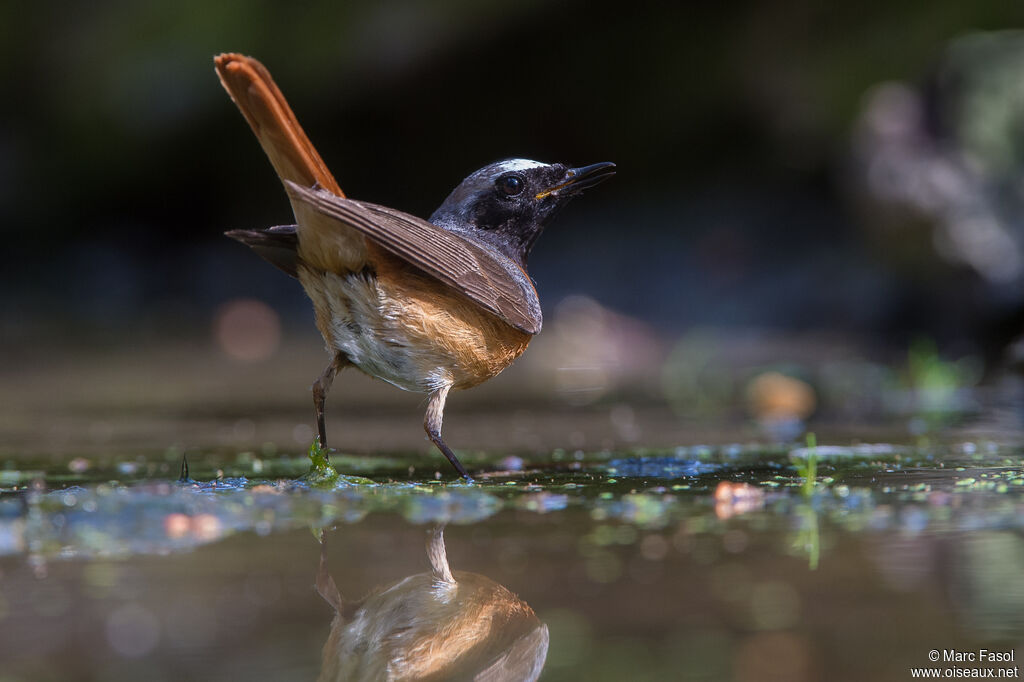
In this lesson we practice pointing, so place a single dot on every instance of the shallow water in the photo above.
(702, 563)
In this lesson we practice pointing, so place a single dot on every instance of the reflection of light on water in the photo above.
(247, 330)
(202, 527)
(732, 498)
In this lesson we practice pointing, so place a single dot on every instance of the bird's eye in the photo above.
(510, 185)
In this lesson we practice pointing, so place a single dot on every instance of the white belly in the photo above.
(358, 322)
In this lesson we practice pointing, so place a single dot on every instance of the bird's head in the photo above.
(507, 204)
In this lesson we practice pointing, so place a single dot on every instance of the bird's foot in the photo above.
(320, 469)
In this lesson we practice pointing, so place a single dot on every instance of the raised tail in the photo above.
(294, 157)
(321, 242)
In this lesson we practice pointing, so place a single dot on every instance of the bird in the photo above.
(429, 306)
(441, 625)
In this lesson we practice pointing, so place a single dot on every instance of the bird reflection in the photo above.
(432, 626)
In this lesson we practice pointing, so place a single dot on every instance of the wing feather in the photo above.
(486, 276)
(277, 245)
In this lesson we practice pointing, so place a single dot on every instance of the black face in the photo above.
(507, 203)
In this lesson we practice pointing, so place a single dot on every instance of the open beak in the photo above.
(579, 179)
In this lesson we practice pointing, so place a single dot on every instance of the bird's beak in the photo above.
(578, 179)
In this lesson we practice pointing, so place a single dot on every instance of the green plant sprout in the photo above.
(808, 538)
(807, 467)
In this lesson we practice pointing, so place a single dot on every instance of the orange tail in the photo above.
(264, 107)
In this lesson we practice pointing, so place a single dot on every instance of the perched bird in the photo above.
(432, 626)
(428, 306)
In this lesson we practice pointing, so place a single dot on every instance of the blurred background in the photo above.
(817, 224)
(818, 212)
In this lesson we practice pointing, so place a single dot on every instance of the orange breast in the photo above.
(402, 326)
(478, 345)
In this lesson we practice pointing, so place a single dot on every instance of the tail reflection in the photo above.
(432, 626)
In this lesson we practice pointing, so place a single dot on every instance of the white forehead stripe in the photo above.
(519, 165)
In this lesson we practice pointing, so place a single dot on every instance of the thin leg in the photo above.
(432, 425)
(438, 556)
(320, 388)
(324, 582)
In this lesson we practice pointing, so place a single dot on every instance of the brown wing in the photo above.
(487, 277)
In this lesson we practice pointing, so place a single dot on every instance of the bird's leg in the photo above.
(438, 556)
(320, 389)
(325, 584)
(432, 425)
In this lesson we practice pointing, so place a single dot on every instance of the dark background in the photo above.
(741, 200)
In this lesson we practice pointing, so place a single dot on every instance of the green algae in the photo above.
(107, 510)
